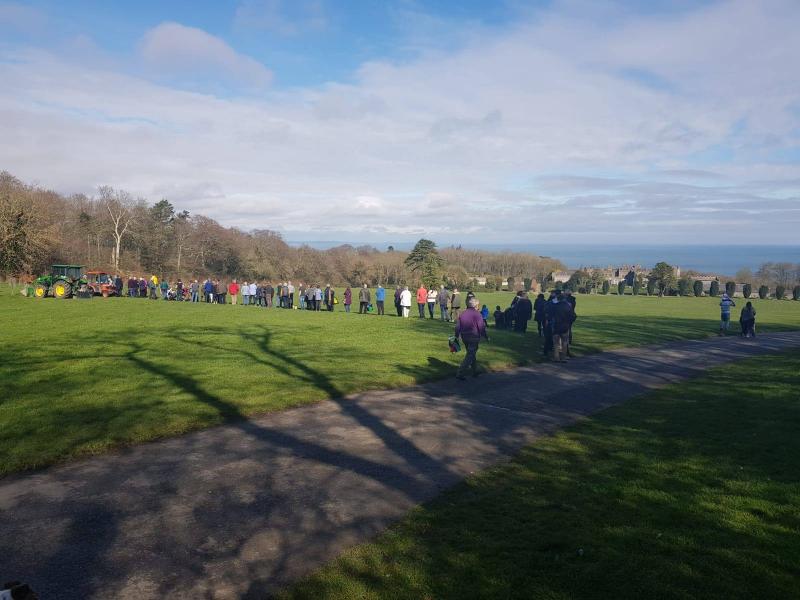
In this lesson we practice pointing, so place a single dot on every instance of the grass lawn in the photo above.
(689, 492)
(79, 377)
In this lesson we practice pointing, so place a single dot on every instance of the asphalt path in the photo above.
(240, 510)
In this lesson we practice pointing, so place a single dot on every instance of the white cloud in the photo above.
(180, 51)
(18, 17)
(526, 132)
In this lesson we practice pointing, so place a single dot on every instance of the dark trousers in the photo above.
(548, 340)
(539, 326)
(362, 307)
(380, 307)
(521, 325)
(421, 307)
(431, 306)
(399, 308)
(470, 361)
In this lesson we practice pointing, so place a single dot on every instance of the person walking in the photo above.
(422, 300)
(562, 321)
(348, 299)
(380, 298)
(455, 304)
(538, 308)
(397, 306)
(725, 306)
(364, 298)
(432, 296)
(405, 301)
(523, 311)
(444, 300)
(747, 320)
(470, 327)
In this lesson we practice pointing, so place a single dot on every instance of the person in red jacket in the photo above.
(233, 290)
(422, 300)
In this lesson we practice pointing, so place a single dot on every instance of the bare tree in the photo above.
(119, 207)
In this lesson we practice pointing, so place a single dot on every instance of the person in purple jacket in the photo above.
(470, 327)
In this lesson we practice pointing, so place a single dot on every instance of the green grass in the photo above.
(80, 377)
(689, 492)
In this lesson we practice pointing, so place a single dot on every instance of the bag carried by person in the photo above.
(452, 342)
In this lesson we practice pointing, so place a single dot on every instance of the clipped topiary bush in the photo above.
(621, 288)
(606, 287)
(796, 293)
(698, 288)
(651, 287)
(730, 288)
(747, 290)
(763, 292)
(780, 292)
(637, 287)
(714, 291)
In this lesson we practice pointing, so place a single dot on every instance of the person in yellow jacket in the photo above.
(153, 287)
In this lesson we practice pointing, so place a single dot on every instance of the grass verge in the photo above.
(688, 492)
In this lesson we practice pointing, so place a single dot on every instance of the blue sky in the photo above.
(370, 120)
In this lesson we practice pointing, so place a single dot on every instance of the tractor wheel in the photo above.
(62, 289)
(40, 291)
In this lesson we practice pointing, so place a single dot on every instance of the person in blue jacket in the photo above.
(380, 298)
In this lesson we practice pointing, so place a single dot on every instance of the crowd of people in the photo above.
(554, 315)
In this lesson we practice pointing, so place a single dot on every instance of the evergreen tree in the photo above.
(621, 288)
(698, 288)
(424, 260)
(664, 276)
(730, 288)
(606, 287)
(714, 291)
(763, 292)
(747, 290)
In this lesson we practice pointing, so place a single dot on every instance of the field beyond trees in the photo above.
(82, 376)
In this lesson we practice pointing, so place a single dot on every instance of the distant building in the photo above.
(561, 276)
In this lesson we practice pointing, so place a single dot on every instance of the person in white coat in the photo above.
(405, 301)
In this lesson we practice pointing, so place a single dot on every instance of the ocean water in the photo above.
(720, 260)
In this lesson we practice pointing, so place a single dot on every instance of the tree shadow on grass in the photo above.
(687, 493)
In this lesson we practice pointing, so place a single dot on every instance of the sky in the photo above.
(554, 122)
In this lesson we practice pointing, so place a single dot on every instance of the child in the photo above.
(484, 314)
(499, 321)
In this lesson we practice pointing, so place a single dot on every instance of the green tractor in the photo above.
(63, 282)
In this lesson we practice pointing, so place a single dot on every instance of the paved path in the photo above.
(242, 509)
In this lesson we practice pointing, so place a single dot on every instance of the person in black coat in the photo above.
(538, 307)
(523, 311)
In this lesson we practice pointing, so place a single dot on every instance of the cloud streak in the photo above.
(545, 129)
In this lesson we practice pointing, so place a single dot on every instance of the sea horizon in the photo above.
(717, 259)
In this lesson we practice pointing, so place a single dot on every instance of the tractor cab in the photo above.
(72, 272)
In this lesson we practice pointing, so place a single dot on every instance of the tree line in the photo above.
(122, 234)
